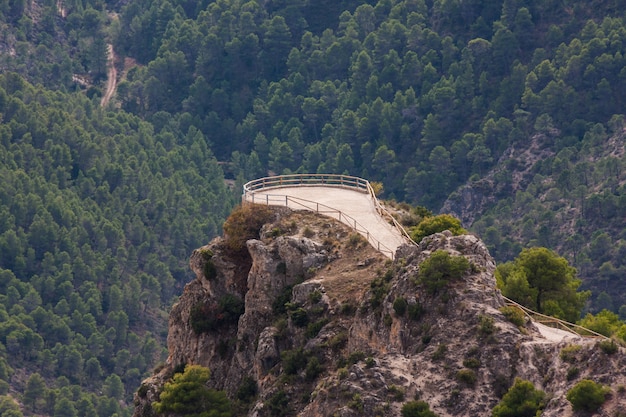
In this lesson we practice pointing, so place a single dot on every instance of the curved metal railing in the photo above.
(362, 185)
(382, 211)
(554, 322)
(326, 180)
(303, 180)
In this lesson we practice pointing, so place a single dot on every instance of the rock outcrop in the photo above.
(324, 325)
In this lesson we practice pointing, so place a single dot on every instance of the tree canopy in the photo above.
(521, 400)
(509, 115)
(543, 281)
(188, 395)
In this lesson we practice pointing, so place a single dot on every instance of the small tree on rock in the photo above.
(522, 400)
(436, 224)
(417, 409)
(188, 395)
(543, 281)
(440, 269)
(587, 395)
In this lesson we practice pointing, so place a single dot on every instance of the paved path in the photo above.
(357, 205)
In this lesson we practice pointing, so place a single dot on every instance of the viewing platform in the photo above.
(351, 200)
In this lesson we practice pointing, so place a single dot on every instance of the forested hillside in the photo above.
(508, 113)
(98, 215)
(423, 96)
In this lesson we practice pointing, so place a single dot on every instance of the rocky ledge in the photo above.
(323, 325)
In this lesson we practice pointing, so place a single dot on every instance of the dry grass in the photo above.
(347, 278)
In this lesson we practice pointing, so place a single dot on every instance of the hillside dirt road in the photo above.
(111, 83)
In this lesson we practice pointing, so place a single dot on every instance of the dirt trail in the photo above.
(111, 77)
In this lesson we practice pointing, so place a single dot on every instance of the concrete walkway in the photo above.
(354, 206)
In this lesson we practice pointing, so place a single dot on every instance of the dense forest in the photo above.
(520, 101)
(99, 216)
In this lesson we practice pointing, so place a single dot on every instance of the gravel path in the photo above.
(355, 204)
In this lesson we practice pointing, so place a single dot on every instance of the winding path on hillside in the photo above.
(111, 83)
(350, 200)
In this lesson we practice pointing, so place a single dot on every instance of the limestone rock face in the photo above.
(331, 327)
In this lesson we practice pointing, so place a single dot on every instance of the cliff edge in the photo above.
(308, 319)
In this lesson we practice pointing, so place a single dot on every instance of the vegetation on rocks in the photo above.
(587, 395)
(436, 224)
(188, 395)
(440, 269)
(543, 281)
(507, 114)
(521, 400)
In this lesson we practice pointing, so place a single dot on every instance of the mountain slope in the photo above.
(322, 330)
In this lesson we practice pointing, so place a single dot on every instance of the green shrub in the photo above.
(572, 372)
(313, 368)
(315, 297)
(486, 325)
(568, 353)
(471, 363)
(232, 307)
(399, 306)
(338, 340)
(278, 404)
(436, 224)
(206, 317)
(347, 309)
(275, 232)
(210, 272)
(440, 269)
(188, 394)
(355, 239)
(466, 376)
(440, 352)
(521, 400)
(379, 288)
(299, 317)
(608, 346)
(247, 389)
(356, 403)
(514, 314)
(397, 393)
(417, 409)
(279, 304)
(312, 329)
(587, 395)
(294, 360)
(415, 311)
(356, 356)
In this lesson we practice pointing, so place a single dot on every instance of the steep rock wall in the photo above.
(321, 332)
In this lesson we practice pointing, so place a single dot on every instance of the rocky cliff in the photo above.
(309, 320)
